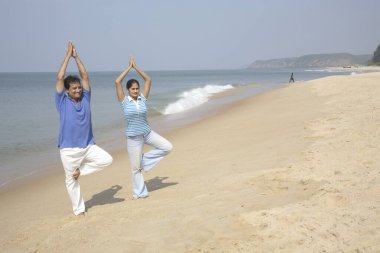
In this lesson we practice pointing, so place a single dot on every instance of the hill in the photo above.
(314, 61)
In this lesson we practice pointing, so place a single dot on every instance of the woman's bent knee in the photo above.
(168, 148)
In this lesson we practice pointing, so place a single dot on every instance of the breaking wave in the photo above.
(195, 97)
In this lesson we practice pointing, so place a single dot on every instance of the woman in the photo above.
(138, 130)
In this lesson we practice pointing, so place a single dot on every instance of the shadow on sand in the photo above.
(105, 197)
(157, 183)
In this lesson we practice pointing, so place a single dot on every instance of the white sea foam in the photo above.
(194, 98)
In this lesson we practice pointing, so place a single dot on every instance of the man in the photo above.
(79, 153)
(291, 80)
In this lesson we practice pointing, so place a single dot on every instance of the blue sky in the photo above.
(170, 35)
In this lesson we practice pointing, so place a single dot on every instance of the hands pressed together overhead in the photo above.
(132, 63)
(71, 51)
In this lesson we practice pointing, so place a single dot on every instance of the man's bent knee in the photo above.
(108, 160)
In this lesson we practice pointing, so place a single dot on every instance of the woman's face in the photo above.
(134, 91)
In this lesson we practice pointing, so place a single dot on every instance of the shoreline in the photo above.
(25, 154)
(115, 141)
(167, 123)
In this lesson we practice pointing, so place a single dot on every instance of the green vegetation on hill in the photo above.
(314, 61)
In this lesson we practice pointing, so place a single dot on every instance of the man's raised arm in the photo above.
(62, 70)
(82, 70)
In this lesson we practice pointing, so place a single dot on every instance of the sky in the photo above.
(179, 34)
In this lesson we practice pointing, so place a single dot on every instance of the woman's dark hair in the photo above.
(69, 80)
(132, 81)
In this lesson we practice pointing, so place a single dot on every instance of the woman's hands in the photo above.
(146, 89)
(120, 78)
(119, 88)
(132, 62)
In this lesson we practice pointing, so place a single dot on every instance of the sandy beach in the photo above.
(358, 69)
(296, 169)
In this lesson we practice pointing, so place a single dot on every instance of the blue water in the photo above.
(29, 121)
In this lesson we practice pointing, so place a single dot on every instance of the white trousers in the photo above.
(88, 160)
(145, 162)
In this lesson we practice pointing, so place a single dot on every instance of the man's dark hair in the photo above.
(69, 80)
(132, 81)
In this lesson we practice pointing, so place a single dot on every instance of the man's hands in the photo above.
(74, 54)
(71, 51)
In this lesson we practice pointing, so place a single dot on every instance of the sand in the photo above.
(291, 170)
(355, 69)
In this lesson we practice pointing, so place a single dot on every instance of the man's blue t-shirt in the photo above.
(75, 128)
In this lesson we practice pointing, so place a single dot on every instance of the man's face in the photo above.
(75, 91)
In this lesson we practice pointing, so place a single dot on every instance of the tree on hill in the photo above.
(376, 56)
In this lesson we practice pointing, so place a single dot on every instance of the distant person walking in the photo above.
(291, 80)
(79, 154)
(138, 131)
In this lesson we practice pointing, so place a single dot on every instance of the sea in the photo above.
(29, 120)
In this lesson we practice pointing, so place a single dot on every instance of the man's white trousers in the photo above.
(89, 160)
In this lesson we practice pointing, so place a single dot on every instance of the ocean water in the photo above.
(29, 120)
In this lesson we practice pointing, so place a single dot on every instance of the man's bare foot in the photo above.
(76, 174)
